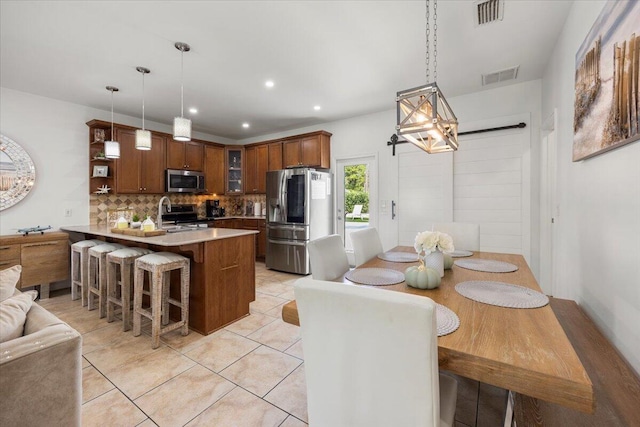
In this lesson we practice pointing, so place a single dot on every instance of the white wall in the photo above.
(598, 229)
(369, 134)
(55, 136)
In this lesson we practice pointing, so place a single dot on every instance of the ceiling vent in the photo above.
(488, 11)
(500, 76)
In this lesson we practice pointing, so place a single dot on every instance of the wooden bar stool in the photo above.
(80, 268)
(159, 265)
(123, 260)
(97, 284)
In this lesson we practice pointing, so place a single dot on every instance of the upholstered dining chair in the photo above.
(328, 258)
(465, 236)
(371, 357)
(366, 244)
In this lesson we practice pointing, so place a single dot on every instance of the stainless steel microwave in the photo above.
(184, 181)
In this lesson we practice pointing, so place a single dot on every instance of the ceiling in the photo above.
(349, 57)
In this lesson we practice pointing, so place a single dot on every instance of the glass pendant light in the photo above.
(424, 116)
(143, 137)
(182, 126)
(112, 147)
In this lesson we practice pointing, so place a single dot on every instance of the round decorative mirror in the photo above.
(17, 173)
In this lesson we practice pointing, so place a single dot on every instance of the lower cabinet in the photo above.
(44, 258)
(228, 223)
(248, 224)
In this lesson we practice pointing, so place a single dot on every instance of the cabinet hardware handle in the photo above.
(227, 268)
(5, 262)
(39, 244)
(4, 247)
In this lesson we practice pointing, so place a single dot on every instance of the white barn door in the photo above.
(487, 181)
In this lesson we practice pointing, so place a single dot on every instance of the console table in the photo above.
(44, 258)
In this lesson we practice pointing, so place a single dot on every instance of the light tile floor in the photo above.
(250, 373)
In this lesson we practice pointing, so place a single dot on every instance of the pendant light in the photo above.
(424, 117)
(143, 137)
(112, 147)
(182, 126)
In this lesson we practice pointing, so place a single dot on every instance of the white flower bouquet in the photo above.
(430, 241)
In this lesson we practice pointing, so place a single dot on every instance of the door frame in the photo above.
(548, 203)
(372, 160)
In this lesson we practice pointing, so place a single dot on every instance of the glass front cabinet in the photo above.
(234, 170)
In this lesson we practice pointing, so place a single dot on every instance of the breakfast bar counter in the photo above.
(222, 269)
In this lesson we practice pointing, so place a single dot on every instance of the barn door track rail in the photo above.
(394, 138)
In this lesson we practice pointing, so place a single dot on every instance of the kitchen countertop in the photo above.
(169, 239)
(241, 217)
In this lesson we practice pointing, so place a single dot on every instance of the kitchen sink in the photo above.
(180, 228)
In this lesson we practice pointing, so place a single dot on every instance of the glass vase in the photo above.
(435, 260)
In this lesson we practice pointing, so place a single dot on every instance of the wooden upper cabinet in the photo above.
(140, 171)
(128, 164)
(234, 161)
(185, 155)
(275, 156)
(311, 150)
(256, 164)
(214, 169)
(262, 165)
(291, 153)
(152, 171)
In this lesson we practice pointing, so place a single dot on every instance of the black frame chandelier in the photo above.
(424, 116)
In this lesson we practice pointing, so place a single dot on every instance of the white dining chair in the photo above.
(366, 245)
(371, 357)
(328, 258)
(466, 236)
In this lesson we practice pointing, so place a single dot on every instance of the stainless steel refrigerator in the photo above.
(299, 209)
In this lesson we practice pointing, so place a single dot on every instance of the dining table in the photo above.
(523, 350)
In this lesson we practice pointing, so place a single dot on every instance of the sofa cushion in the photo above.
(13, 314)
(8, 279)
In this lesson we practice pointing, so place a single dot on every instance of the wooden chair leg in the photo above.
(156, 307)
(84, 276)
(138, 284)
(184, 299)
(102, 286)
(75, 275)
(125, 295)
(92, 279)
(111, 289)
(166, 292)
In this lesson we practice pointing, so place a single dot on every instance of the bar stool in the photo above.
(159, 265)
(97, 284)
(124, 259)
(80, 268)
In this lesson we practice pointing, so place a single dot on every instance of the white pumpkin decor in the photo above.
(422, 277)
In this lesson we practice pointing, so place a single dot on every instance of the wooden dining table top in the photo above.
(522, 350)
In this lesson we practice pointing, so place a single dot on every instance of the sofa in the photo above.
(41, 370)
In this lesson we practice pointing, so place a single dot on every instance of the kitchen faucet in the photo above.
(162, 199)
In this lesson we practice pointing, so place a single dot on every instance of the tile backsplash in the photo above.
(102, 207)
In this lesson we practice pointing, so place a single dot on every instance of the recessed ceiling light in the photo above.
(193, 110)
(317, 107)
(269, 83)
(245, 125)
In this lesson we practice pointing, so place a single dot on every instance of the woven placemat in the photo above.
(459, 253)
(398, 256)
(375, 276)
(447, 321)
(502, 294)
(487, 265)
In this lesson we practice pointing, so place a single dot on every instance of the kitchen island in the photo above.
(222, 269)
